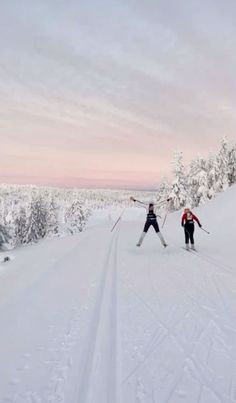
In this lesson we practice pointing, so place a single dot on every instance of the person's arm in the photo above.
(138, 201)
(197, 220)
(160, 203)
(183, 219)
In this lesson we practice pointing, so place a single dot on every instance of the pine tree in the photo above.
(163, 190)
(75, 217)
(21, 227)
(197, 181)
(179, 189)
(53, 225)
(212, 175)
(232, 164)
(38, 219)
(223, 166)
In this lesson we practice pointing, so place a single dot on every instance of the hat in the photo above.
(187, 207)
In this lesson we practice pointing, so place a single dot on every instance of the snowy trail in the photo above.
(99, 373)
(193, 342)
(93, 318)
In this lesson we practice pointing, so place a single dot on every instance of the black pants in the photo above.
(150, 223)
(188, 231)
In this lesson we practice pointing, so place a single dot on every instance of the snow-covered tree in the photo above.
(212, 175)
(163, 190)
(53, 226)
(22, 223)
(75, 217)
(197, 181)
(232, 164)
(38, 219)
(179, 189)
(222, 159)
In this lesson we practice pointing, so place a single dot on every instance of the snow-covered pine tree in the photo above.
(38, 218)
(232, 164)
(197, 181)
(53, 225)
(163, 190)
(22, 225)
(212, 175)
(222, 159)
(74, 217)
(179, 189)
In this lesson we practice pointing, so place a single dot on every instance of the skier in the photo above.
(150, 221)
(187, 222)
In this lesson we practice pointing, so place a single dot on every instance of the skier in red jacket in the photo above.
(187, 222)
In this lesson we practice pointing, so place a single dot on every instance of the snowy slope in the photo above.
(95, 319)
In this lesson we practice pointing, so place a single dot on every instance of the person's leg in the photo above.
(187, 236)
(145, 230)
(191, 232)
(159, 234)
(140, 241)
(155, 226)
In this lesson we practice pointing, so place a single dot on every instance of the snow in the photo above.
(94, 319)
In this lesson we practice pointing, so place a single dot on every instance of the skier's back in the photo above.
(187, 222)
(151, 220)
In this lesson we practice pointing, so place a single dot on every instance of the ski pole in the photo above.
(205, 230)
(164, 221)
(167, 209)
(118, 219)
(136, 200)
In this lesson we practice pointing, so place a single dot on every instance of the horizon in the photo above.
(101, 94)
(62, 187)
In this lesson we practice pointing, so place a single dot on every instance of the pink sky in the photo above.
(101, 95)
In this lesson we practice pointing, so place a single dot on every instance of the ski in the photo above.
(189, 250)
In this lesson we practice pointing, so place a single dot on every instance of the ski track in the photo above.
(146, 325)
(101, 341)
(222, 323)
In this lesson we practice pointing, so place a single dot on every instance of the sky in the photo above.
(101, 93)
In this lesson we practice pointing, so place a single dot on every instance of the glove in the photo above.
(182, 224)
(134, 200)
(200, 225)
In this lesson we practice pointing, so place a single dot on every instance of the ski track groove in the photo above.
(189, 352)
(217, 290)
(168, 331)
(203, 378)
(106, 299)
(219, 326)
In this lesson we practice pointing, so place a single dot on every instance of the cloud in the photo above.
(106, 79)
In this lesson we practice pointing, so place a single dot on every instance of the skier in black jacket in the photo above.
(150, 221)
